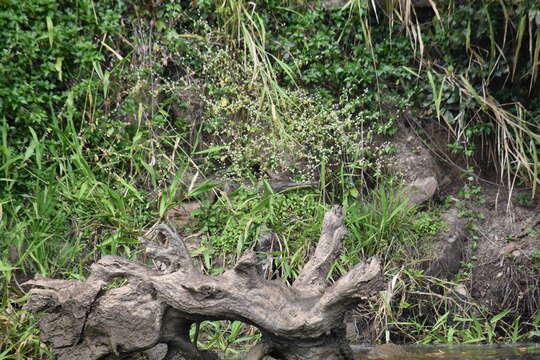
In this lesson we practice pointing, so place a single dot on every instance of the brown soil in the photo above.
(504, 250)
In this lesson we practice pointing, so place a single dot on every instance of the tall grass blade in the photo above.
(519, 41)
(50, 30)
(535, 62)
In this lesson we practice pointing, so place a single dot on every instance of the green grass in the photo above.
(20, 338)
(235, 222)
(422, 309)
(63, 207)
(226, 337)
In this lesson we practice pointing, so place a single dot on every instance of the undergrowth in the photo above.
(113, 112)
(249, 141)
(424, 309)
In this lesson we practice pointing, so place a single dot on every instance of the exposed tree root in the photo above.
(89, 319)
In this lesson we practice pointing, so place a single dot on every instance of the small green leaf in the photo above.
(498, 317)
(211, 150)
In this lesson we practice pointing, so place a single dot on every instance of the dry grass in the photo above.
(515, 138)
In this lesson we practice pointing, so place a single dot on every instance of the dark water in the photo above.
(453, 352)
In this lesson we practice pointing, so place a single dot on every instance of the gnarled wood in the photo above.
(87, 320)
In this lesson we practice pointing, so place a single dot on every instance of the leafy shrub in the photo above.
(291, 141)
(47, 45)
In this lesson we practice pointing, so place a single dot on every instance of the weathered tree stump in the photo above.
(90, 319)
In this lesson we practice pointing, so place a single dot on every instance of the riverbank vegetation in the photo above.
(116, 116)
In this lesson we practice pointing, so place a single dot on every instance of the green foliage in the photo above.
(333, 56)
(308, 131)
(420, 308)
(535, 257)
(483, 31)
(78, 179)
(384, 222)
(47, 44)
(20, 335)
(99, 132)
(483, 83)
(235, 222)
(229, 337)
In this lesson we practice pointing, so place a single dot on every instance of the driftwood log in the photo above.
(91, 319)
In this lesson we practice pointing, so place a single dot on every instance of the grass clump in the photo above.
(482, 82)
(20, 335)
(423, 309)
(235, 223)
(384, 223)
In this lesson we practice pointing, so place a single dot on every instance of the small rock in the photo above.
(509, 248)
(386, 351)
(158, 352)
(333, 4)
(449, 260)
(516, 253)
(461, 290)
(421, 190)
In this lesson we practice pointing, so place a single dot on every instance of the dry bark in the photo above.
(89, 319)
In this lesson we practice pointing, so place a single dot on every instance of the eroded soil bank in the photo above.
(484, 260)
